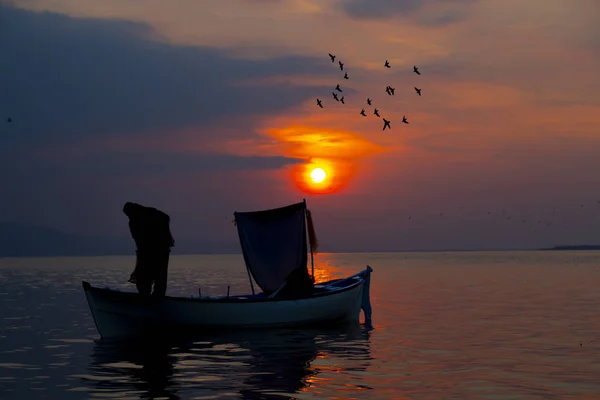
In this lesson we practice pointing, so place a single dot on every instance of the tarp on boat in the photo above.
(274, 243)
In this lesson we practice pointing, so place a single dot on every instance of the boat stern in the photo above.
(366, 296)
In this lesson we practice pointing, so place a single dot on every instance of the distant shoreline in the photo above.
(578, 247)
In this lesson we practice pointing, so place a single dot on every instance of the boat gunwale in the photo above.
(87, 287)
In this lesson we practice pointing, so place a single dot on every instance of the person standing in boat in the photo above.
(150, 230)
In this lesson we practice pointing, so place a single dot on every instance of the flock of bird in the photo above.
(388, 89)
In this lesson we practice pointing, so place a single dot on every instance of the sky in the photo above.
(206, 108)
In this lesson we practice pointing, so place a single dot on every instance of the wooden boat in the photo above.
(274, 245)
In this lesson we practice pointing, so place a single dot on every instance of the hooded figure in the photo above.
(152, 235)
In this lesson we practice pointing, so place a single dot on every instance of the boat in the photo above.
(275, 244)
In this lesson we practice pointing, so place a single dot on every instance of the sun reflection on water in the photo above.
(325, 270)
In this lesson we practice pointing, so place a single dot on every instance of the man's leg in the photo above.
(144, 287)
(143, 273)
(161, 272)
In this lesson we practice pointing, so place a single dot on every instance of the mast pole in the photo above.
(312, 257)
(312, 262)
(250, 278)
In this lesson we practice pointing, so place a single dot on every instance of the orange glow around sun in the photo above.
(332, 156)
(319, 176)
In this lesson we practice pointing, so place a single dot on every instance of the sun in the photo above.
(318, 175)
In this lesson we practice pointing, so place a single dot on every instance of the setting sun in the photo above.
(318, 175)
(332, 155)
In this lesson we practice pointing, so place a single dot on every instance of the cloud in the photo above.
(76, 78)
(127, 164)
(447, 12)
(107, 110)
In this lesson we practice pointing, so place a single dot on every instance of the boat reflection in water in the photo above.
(132, 369)
(248, 365)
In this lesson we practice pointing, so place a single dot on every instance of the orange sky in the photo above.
(511, 58)
(509, 72)
(509, 87)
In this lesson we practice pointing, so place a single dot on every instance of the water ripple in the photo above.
(496, 325)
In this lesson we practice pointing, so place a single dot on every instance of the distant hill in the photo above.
(575, 247)
(23, 240)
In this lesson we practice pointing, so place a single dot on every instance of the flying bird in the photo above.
(392, 90)
(342, 100)
(369, 103)
(386, 123)
(319, 103)
(404, 120)
(418, 90)
(341, 65)
(9, 119)
(332, 57)
(387, 64)
(363, 113)
(335, 96)
(416, 70)
(346, 75)
(338, 88)
(376, 112)
(387, 90)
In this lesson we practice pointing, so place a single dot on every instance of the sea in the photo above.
(455, 325)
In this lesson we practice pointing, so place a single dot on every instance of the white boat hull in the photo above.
(126, 314)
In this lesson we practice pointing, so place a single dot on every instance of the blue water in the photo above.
(496, 325)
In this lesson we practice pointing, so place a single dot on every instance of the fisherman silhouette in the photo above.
(150, 230)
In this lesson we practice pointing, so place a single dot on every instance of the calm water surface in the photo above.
(497, 325)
